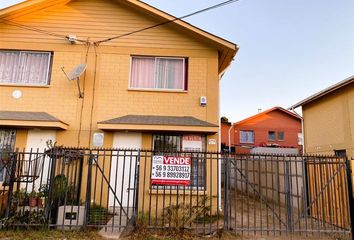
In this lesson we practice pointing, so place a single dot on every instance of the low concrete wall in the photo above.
(271, 150)
(272, 178)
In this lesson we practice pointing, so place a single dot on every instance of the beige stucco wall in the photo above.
(329, 123)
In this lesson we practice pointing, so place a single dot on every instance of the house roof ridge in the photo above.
(27, 3)
(227, 50)
(324, 92)
(181, 20)
(268, 111)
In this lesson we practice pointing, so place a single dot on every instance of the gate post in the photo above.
(53, 157)
(136, 190)
(13, 164)
(226, 193)
(350, 195)
(88, 189)
(287, 185)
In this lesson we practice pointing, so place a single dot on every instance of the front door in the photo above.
(35, 147)
(123, 168)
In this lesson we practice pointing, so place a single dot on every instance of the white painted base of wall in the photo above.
(64, 217)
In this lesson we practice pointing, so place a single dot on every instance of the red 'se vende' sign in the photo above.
(176, 160)
(171, 170)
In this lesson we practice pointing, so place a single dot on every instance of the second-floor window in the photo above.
(281, 136)
(271, 136)
(246, 137)
(25, 67)
(161, 73)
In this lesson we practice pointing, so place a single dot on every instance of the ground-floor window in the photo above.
(7, 144)
(340, 153)
(192, 144)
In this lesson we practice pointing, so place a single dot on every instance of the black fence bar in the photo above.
(350, 195)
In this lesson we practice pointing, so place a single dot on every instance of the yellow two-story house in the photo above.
(108, 73)
(146, 79)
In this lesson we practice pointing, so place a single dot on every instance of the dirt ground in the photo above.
(283, 238)
(229, 237)
(142, 235)
(248, 213)
(295, 238)
(48, 234)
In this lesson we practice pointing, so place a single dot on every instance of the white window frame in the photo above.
(247, 131)
(155, 70)
(47, 80)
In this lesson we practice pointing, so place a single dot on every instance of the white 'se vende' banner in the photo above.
(192, 142)
(171, 170)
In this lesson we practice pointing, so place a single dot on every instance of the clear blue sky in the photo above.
(289, 49)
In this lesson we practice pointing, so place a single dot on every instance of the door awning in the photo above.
(30, 120)
(158, 123)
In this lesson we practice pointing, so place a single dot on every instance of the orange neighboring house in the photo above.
(275, 127)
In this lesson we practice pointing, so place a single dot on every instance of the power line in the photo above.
(169, 21)
(11, 23)
(30, 28)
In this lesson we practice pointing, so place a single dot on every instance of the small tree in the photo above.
(224, 119)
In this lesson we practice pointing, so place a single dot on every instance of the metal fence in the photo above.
(115, 190)
(111, 189)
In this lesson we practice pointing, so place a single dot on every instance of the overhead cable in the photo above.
(12, 23)
(9, 22)
(169, 21)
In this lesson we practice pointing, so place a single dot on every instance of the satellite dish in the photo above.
(77, 71)
(75, 75)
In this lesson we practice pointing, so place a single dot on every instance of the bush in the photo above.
(26, 218)
(98, 215)
(182, 215)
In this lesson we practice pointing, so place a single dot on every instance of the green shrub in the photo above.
(26, 218)
(98, 215)
(59, 187)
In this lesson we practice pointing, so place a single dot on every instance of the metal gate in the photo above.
(277, 194)
(70, 188)
(112, 189)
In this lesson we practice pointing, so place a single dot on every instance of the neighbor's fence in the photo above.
(277, 194)
(118, 189)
